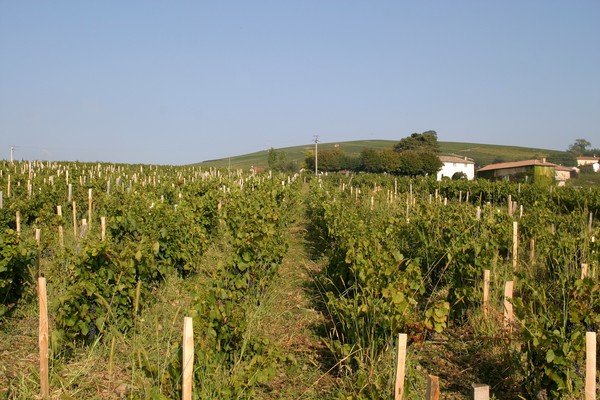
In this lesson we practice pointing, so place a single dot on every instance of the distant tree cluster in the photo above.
(278, 161)
(415, 155)
(582, 147)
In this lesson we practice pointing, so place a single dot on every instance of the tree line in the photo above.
(415, 155)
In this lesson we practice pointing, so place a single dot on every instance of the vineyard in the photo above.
(297, 286)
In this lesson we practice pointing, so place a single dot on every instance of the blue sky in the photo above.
(177, 82)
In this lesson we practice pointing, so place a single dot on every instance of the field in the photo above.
(483, 154)
(297, 287)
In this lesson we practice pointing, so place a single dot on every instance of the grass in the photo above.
(483, 154)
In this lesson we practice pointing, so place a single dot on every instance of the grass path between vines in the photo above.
(291, 320)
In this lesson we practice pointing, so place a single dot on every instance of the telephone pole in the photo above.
(316, 140)
(12, 150)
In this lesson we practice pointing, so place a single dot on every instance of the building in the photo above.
(585, 160)
(537, 171)
(454, 164)
(563, 174)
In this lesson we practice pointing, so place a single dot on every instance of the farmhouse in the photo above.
(527, 171)
(454, 164)
(584, 160)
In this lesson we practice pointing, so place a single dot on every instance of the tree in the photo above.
(330, 160)
(579, 147)
(272, 158)
(370, 160)
(431, 163)
(278, 161)
(426, 141)
(410, 163)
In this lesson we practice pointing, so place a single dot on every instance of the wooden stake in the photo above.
(590, 366)
(433, 388)
(590, 222)
(18, 221)
(508, 307)
(584, 270)
(90, 209)
(43, 337)
(478, 214)
(59, 211)
(70, 196)
(1, 200)
(400, 366)
(188, 359)
(515, 255)
(532, 251)
(61, 240)
(74, 219)
(103, 228)
(38, 237)
(486, 290)
(481, 392)
(510, 209)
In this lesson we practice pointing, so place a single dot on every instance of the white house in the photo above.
(454, 164)
(586, 160)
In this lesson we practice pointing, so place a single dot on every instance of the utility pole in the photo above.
(12, 150)
(316, 139)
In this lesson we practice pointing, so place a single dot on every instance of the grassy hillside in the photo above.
(483, 154)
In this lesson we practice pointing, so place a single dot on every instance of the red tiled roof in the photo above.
(517, 164)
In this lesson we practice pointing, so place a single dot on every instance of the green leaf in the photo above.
(550, 356)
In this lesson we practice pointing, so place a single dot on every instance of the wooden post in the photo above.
(400, 366)
(61, 240)
(8, 188)
(38, 237)
(508, 307)
(103, 228)
(515, 255)
(590, 366)
(481, 392)
(584, 270)
(532, 251)
(18, 222)
(1, 200)
(478, 214)
(187, 359)
(433, 388)
(510, 209)
(70, 196)
(43, 337)
(90, 209)
(486, 290)
(372, 202)
(74, 219)
(590, 222)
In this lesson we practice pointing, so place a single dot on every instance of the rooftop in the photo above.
(456, 159)
(517, 164)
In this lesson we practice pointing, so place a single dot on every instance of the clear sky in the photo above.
(178, 82)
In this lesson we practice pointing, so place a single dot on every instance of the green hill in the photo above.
(483, 154)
